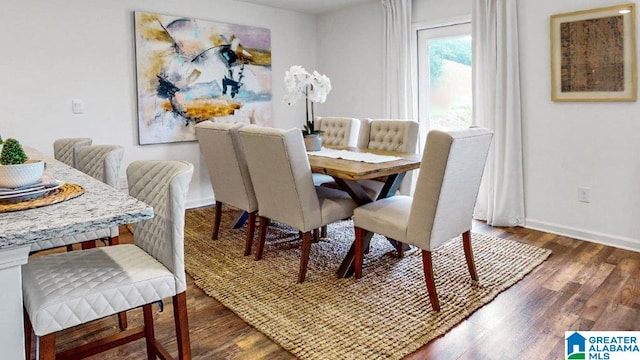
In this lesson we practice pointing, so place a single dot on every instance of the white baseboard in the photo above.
(587, 235)
(191, 204)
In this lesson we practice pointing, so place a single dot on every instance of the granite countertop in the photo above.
(101, 206)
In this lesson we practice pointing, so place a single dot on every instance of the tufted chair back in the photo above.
(338, 131)
(290, 197)
(389, 135)
(64, 149)
(164, 186)
(222, 152)
(101, 162)
(447, 187)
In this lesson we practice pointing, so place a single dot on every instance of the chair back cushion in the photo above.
(222, 152)
(389, 135)
(64, 149)
(447, 186)
(101, 162)
(163, 184)
(338, 131)
(281, 176)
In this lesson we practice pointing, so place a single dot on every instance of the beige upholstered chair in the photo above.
(281, 177)
(442, 206)
(64, 149)
(101, 162)
(388, 135)
(63, 290)
(336, 131)
(230, 179)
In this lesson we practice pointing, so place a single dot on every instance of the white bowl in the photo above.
(13, 176)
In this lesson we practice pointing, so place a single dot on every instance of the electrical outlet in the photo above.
(584, 194)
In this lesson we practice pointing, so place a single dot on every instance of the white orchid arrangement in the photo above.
(312, 87)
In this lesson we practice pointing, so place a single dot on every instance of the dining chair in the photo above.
(388, 135)
(67, 289)
(101, 162)
(281, 177)
(336, 131)
(442, 205)
(64, 149)
(222, 152)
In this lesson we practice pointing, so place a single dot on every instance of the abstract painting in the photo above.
(593, 55)
(191, 70)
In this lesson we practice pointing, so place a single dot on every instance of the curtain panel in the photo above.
(496, 105)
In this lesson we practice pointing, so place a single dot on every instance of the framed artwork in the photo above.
(593, 55)
(191, 70)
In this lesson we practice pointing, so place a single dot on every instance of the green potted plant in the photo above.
(314, 88)
(16, 169)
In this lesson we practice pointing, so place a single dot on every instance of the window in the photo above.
(444, 77)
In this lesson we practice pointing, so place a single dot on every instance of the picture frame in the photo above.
(593, 55)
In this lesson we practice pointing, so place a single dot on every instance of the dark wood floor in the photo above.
(582, 286)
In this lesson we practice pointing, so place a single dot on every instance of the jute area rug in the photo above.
(384, 315)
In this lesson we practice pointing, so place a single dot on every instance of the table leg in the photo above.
(347, 269)
(240, 220)
(357, 193)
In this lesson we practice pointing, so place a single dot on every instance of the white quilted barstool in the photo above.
(101, 162)
(442, 205)
(388, 135)
(281, 177)
(64, 149)
(222, 152)
(336, 131)
(68, 289)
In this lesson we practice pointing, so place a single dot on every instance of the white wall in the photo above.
(350, 53)
(55, 51)
(566, 145)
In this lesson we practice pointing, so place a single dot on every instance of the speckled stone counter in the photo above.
(101, 206)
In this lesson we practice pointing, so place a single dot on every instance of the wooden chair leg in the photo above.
(400, 249)
(122, 321)
(28, 334)
(88, 244)
(149, 332)
(251, 229)
(359, 255)
(323, 231)
(428, 277)
(264, 223)
(216, 221)
(115, 240)
(182, 326)
(316, 235)
(468, 254)
(304, 258)
(46, 347)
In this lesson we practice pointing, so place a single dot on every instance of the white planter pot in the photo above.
(13, 176)
(313, 142)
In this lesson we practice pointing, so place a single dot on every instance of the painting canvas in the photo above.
(191, 70)
(593, 55)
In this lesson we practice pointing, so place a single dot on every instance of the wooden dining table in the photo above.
(347, 173)
(99, 207)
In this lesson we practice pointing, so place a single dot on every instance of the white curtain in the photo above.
(496, 105)
(397, 85)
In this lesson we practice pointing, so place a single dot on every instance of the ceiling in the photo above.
(308, 6)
